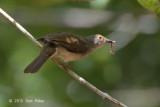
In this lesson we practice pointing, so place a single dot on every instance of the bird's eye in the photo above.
(100, 37)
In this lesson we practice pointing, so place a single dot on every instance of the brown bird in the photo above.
(68, 47)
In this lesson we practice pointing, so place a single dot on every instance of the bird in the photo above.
(66, 46)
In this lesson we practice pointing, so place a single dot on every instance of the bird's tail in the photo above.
(36, 64)
(45, 53)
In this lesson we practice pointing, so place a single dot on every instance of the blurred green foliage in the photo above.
(152, 5)
(131, 75)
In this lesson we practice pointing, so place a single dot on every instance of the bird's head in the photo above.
(98, 40)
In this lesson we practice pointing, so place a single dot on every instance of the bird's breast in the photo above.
(67, 56)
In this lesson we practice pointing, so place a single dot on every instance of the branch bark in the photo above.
(70, 72)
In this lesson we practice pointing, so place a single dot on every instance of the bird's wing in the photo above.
(71, 42)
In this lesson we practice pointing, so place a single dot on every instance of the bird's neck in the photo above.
(92, 43)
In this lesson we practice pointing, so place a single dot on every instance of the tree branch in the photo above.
(70, 72)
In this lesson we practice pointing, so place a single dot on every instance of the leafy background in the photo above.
(131, 75)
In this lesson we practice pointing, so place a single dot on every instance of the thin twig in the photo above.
(25, 32)
(94, 89)
(71, 73)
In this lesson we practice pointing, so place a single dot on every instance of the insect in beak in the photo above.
(112, 42)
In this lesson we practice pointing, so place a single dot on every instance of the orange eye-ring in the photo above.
(100, 37)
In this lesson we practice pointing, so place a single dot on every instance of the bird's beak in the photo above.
(109, 41)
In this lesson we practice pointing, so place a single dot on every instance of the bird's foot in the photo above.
(66, 66)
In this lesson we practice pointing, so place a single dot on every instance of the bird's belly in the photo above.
(69, 56)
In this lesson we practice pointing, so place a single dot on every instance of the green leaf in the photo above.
(151, 5)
